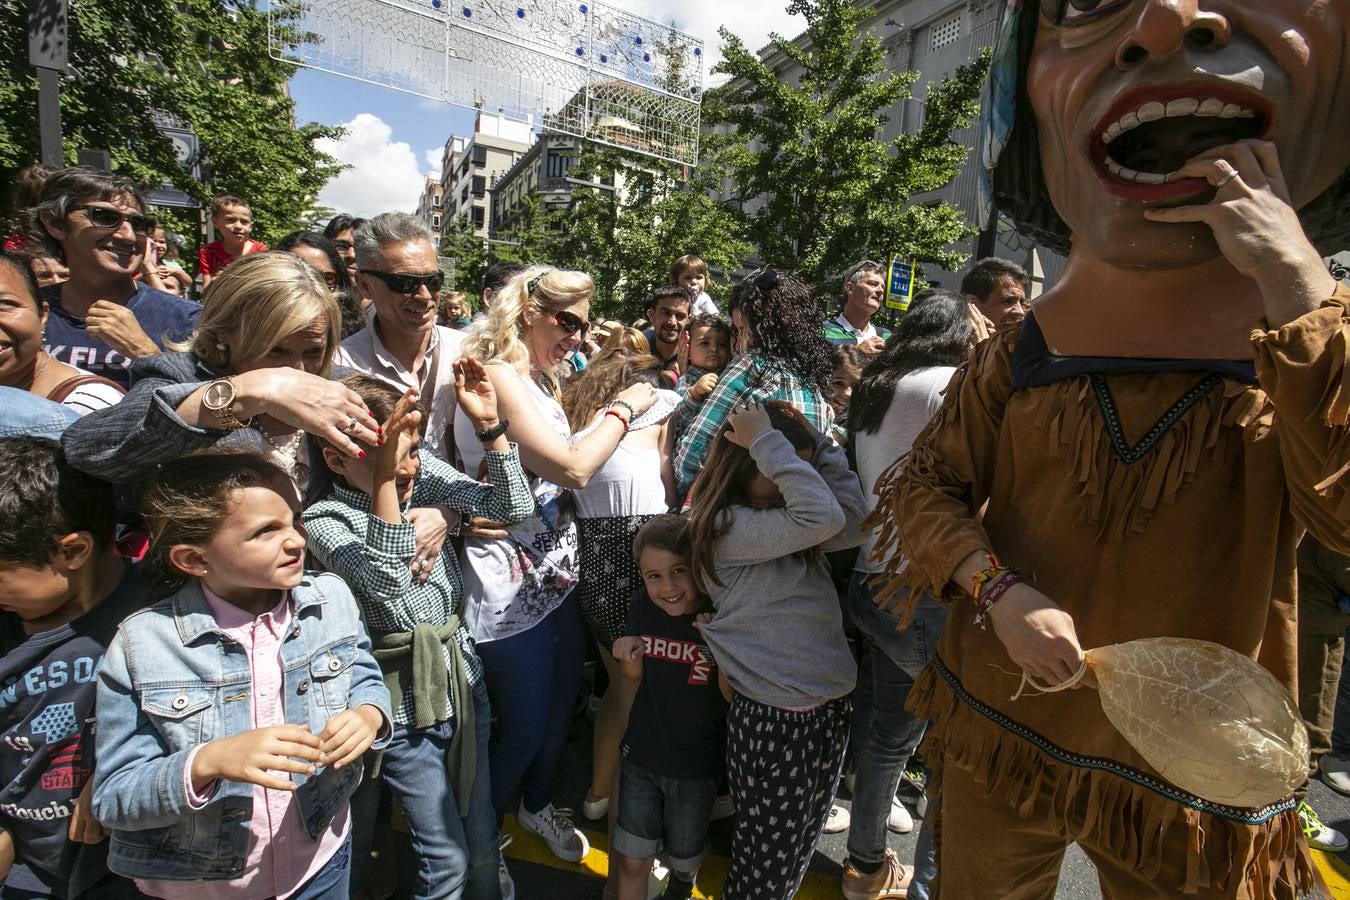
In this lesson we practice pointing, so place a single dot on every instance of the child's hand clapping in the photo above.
(628, 649)
(349, 734)
(704, 386)
(249, 756)
(748, 423)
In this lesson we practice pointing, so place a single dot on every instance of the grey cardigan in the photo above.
(124, 443)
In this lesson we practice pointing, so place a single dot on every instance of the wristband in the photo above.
(992, 592)
(618, 415)
(491, 434)
(986, 575)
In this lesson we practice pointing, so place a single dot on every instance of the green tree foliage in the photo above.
(627, 234)
(470, 253)
(824, 188)
(203, 63)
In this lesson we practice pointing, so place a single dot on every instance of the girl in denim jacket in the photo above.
(232, 715)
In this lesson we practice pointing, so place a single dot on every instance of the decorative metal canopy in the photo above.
(583, 68)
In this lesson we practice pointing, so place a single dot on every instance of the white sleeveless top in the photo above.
(512, 583)
(629, 482)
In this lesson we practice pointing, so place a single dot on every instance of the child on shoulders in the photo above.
(65, 590)
(232, 715)
(232, 218)
(674, 747)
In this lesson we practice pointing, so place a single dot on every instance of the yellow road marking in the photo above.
(529, 847)
(1336, 872)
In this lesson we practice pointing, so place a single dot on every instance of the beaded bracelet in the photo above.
(625, 405)
(993, 591)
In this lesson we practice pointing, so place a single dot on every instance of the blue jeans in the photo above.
(657, 812)
(1340, 733)
(533, 678)
(897, 659)
(456, 849)
(330, 882)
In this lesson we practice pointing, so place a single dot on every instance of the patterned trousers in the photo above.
(783, 767)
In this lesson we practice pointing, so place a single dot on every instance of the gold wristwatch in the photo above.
(219, 398)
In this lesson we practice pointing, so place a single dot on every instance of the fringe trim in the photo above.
(1121, 498)
(1121, 817)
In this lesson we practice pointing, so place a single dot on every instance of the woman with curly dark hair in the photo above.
(781, 355)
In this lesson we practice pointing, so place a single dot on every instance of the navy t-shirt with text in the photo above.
(47, 687)
(677, 728)
(162, 316)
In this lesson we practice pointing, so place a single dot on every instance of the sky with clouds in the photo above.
(394, 140)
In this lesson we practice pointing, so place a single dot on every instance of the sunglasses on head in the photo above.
(765, 279)
(403, 283)
(112, 219)
(571, 323)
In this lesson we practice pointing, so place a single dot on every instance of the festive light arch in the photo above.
(581, 68)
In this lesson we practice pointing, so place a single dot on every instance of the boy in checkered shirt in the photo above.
(64, 590)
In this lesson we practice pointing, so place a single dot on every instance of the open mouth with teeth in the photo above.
(1139, 145)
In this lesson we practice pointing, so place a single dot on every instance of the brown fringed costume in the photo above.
(1147, 495)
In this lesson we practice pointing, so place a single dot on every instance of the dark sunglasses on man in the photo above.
(404, 283)
(112, 219)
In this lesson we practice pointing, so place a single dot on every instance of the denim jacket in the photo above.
(171, 681)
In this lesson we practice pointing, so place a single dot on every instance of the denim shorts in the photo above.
(658, 813)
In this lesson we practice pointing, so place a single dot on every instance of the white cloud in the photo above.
(384, 174)
(751, 21)
(433, 158)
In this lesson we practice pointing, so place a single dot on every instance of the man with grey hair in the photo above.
(402, 344)
(864, 289)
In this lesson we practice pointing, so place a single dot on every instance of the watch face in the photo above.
(217, 395)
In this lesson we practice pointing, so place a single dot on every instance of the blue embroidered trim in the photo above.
(1255, 816)
(1116, 432)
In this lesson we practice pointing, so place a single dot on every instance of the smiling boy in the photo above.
(674, 747)
(232, 218)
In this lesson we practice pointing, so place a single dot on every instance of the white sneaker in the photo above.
(1318, 835)
(899, 821)
(723, 807)
(1335, 772)
(839, 820)
(656, 882)
(594, 808)
(504, 874)
(555, 827)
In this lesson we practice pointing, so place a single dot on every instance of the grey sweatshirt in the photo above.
(777, 631)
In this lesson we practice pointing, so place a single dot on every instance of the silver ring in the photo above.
(351, 426)
(1225, 179)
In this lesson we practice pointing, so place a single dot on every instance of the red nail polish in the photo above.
(361, 453)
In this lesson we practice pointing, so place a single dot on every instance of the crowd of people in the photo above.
(320, 558)
(374, 528)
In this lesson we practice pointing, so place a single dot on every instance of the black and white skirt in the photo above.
(609, 574)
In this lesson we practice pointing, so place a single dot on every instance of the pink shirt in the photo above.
(281, 856)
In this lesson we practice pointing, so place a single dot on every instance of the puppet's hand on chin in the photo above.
(1256, 226)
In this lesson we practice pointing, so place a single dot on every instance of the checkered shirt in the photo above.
(374, 556)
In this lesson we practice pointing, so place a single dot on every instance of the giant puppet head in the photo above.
(1093, 103)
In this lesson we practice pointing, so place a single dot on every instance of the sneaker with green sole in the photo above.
(1320, 836)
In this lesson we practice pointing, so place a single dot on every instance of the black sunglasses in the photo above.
(571, 323)
(403, 283)
(112, 219)
(765, 279)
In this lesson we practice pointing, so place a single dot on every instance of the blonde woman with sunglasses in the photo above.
(520, 589)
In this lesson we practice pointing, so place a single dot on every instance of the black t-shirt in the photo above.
(47, 688)
(679, 720)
